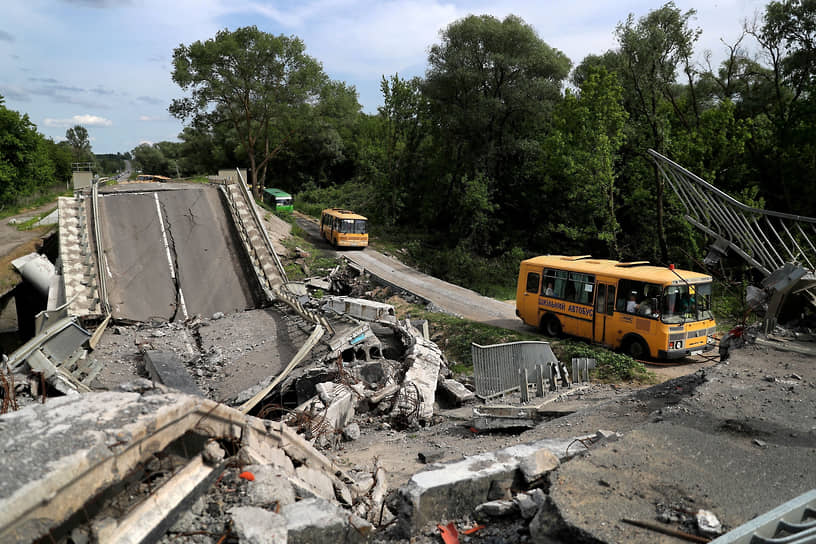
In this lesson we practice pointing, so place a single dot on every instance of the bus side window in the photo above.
(610, 300)
(532, 282)
(600, 299)
(625, 288)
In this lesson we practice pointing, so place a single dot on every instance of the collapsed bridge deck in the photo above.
(171, 253)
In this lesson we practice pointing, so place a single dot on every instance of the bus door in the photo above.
(604, 308)
(528, 302)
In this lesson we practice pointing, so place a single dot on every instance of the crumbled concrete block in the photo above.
(255, 525)
(316, 481)
(452, 490)
(363, 482)
(606, 436)
(496, 509)
(213, 453)
(343, 493)
(325, 391)
(383, 393)
(455, 392)
(367, 310)
(351, 432)
(340, 402)
(425, 359)
(529, 503)
(537, 463)
(258, 450)
(80, 536)
(317, 520)
(271, 486)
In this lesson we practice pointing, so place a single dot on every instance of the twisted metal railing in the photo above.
(774, 243)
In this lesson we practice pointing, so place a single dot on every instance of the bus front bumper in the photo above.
(680, 353)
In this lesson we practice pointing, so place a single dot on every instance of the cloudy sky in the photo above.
(106, 64)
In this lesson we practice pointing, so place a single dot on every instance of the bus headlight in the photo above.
(678, 344)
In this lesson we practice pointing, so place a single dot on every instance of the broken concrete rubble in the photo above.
(417, 393)
(317, 520)
(358, 308)
(94, 442)
(455, 392)
(455, 489)
(255, 525)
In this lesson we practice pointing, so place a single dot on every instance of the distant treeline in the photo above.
(488, 154)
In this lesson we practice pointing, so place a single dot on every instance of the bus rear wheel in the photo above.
(551, 326)
(636, 348)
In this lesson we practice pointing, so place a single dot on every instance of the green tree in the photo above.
(397, 154)
(26, 165)
(787, 158)
(491, 86)
(249, 79)
(583, 147)
(77, 137)
(651, 50)
(151, 160)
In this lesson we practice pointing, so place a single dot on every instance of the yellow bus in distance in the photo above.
(344, 228)
(644, 310)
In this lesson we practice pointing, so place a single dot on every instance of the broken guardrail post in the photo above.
(539, 380)
(562, 368)
(552, 369)
(525, 396)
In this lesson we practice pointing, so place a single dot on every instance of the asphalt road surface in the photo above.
(450, 297)
(170, 253)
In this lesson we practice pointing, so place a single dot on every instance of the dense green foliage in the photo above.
(259, 85)
(495, 154)
(30, 163)
(610, 366)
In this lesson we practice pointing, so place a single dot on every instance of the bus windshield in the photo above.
(353, 226)
(681, 303)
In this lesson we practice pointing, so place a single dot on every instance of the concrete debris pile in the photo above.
(502, 484)
(144, 461)
(356, 378)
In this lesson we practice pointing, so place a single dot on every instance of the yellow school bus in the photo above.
(644, 310)
(344, 228)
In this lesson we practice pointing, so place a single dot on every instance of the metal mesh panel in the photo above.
(496, 367)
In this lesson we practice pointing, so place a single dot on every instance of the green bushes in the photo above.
(610, 366)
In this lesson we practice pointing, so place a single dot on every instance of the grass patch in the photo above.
(30, 224)
(610, 366)
(454, 336)
(317, 262)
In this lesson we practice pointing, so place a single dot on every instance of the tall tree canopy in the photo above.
(77, 137)
(651, 50)
(492, 85)
(250, 79)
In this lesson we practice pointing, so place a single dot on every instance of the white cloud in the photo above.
(84, 120)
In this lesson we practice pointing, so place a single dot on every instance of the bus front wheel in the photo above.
(551, 326)
(636, 348)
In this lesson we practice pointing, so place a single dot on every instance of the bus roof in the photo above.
(637, 270)
(276, 192)
(344, 214)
